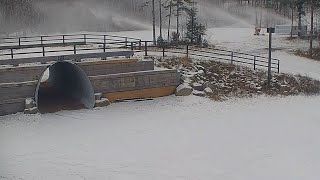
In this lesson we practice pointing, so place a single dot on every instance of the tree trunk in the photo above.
(169, 25)
(292, 14)
(154, 23)
(178, 14)
(160, 14)
(311, 30)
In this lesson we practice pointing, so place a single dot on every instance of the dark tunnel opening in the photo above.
(64, 86)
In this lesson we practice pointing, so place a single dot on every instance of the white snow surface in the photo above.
(175, 138)
(168, 138)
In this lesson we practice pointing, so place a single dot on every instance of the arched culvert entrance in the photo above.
(64, 86)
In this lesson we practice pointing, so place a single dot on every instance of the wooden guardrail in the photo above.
(40, 48)
(254, 61)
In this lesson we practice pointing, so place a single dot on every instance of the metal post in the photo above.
(104, 43)
(269, 61)
(11, 53)
(43, 52)
(145, 48)
(74, 49)
(63, 39)
(278, 66)
(19, 41)
(41, 38)
(140, 44)
(163, 51)
(85, 38)
(131, 46)
(126, 42)
(232, 57)
(187, 51)
(254, 62)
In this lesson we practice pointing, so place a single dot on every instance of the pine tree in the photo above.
(195, 30)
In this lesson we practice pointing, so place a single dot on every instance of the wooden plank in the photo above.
(65, 57)
(141, 93)
(91, 68)
(135, 81)
(26, 46)
(17, 90)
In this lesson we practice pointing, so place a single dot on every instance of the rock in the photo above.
(183, 90)
(201, 72)
(208, 90)
(102, 103)
(285, 88)
(98, 96)
(33, 110)
(198, 86)
(199, 93)
(30, 103)
(199, 67)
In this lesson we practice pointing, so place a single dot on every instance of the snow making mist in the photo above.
(63, 16)
(231, 14)
(66, 16)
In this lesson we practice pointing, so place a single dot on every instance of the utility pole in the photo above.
(270, 31)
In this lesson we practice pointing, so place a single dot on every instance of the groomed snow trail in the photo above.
(169, 138)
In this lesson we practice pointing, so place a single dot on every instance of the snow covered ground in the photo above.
(168, 138)
(174, 138)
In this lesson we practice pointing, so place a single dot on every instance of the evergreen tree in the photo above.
(195, 30)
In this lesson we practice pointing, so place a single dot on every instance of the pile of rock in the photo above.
(219, 80)
(30, 106)
(100, 101)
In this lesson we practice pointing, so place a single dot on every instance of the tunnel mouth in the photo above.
(64, 86)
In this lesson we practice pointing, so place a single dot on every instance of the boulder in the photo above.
(198, 86)
(33, 110)
(30, 103)
(98, 96)
(183, 90)
(102, 103)
(199, 93)
(208, 90)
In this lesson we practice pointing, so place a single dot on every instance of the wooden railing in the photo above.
(42, 46)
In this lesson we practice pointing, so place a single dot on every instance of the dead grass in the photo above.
(227, 80)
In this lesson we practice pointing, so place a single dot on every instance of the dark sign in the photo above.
(272, 30)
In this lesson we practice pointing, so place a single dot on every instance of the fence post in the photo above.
(187, 51)
(74, 49)
(278, 66)
(163, 51)
(63, 39)
(85, 38)
(43, 52)
(145, 48)
(19, 41)
(11, 53)
(254, 62)
(140, 44)
(104, 43)
(41, 38)
(232, 57)
(126, 42)
(131, 46)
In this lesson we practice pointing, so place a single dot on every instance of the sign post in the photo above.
(270, 31)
